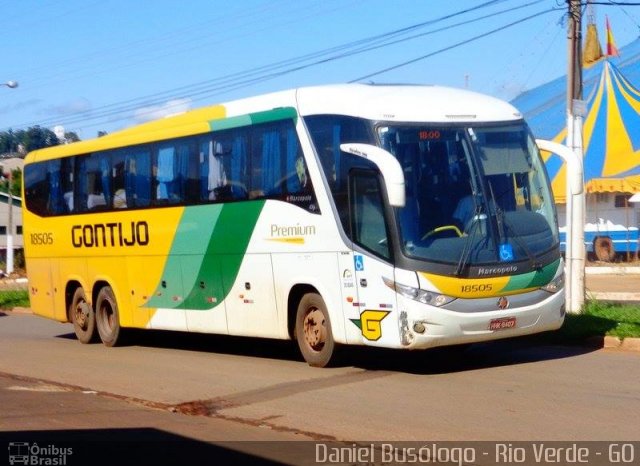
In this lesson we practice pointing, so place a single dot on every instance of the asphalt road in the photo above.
(216, 389)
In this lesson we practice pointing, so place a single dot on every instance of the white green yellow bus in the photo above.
(393, 216)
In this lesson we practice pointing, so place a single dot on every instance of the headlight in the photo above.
(555, 285)
(422, 296)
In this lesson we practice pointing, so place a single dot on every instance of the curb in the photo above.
(631, 344)
(624, 270)
(609, 342)
(613, 296)
(628, 344)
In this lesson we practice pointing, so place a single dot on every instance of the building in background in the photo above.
(7, 164)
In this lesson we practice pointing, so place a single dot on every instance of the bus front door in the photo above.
(378, 320)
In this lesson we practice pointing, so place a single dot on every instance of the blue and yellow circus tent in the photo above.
(611, 125)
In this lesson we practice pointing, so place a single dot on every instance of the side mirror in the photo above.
(389, 167)
(575, 169)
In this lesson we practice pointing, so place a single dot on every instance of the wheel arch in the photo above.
(97, 286)
(332, 302)
(295, 295)
(70, 288)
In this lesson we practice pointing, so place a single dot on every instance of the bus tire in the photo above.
(603, 249)
(107, 317)
(83, 317)
(313, 331)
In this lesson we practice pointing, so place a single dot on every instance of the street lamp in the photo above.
(10, 85)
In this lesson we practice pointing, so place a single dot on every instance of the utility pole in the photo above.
(575, 250)
(10, 228)
(574, 75)
(9, 252)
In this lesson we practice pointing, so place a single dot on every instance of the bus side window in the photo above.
(55, 204)
(266, 163)
(237, 173)
(138, 177)
(90, 181)
(188, 168)
(297, 174)
(224, 166)
(67, 182)
(213, 172)
(117, 181)
(165, 174)
(277, 164)
(36, 188)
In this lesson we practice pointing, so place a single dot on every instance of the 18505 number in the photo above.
(41, 238)
(476, 288)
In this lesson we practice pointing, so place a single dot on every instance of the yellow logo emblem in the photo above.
(370, 323)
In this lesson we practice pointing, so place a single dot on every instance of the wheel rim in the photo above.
(315, 330)
(81, 314)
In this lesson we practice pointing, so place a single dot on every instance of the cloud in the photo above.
(154, 112)
(71, 107)
(25, 104)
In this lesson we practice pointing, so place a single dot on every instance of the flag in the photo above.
(591, 52)
(612, 50)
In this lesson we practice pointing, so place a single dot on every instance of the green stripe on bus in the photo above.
(277, 114)
(228, 123)
(225, 252)
(188, 241)
(204, 270)
(533, 279)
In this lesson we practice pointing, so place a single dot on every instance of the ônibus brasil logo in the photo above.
(33, 454)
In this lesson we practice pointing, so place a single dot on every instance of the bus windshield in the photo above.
(475, 194)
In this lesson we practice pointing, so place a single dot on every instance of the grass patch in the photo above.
(600, 319)
(14, 298)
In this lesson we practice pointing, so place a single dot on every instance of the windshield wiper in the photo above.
(535, 265)
(468, 245)
(503, 224)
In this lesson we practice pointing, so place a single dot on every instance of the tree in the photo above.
(23, 141)
(16, 182)
(37, 138)
(8, 142)
(71, 136)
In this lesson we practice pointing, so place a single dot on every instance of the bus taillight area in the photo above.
(477, 320)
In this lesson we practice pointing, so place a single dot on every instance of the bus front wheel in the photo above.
(107, 317)
(313, 331)
(83, 317)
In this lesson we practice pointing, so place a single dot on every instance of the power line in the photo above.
(612, 3)
(450, 47)
(227, 83)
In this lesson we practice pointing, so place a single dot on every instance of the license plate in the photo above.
(501, 324)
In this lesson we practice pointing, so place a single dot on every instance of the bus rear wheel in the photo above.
(313, 331)
(83, 317)
(107, 317)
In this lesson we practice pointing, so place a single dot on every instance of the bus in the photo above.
(397, 216)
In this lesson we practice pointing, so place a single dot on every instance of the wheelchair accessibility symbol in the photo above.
(506, 252)
(359, 263)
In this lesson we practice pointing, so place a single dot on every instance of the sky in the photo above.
(106, 65)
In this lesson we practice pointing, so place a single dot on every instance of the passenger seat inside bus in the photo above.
(95, 200)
